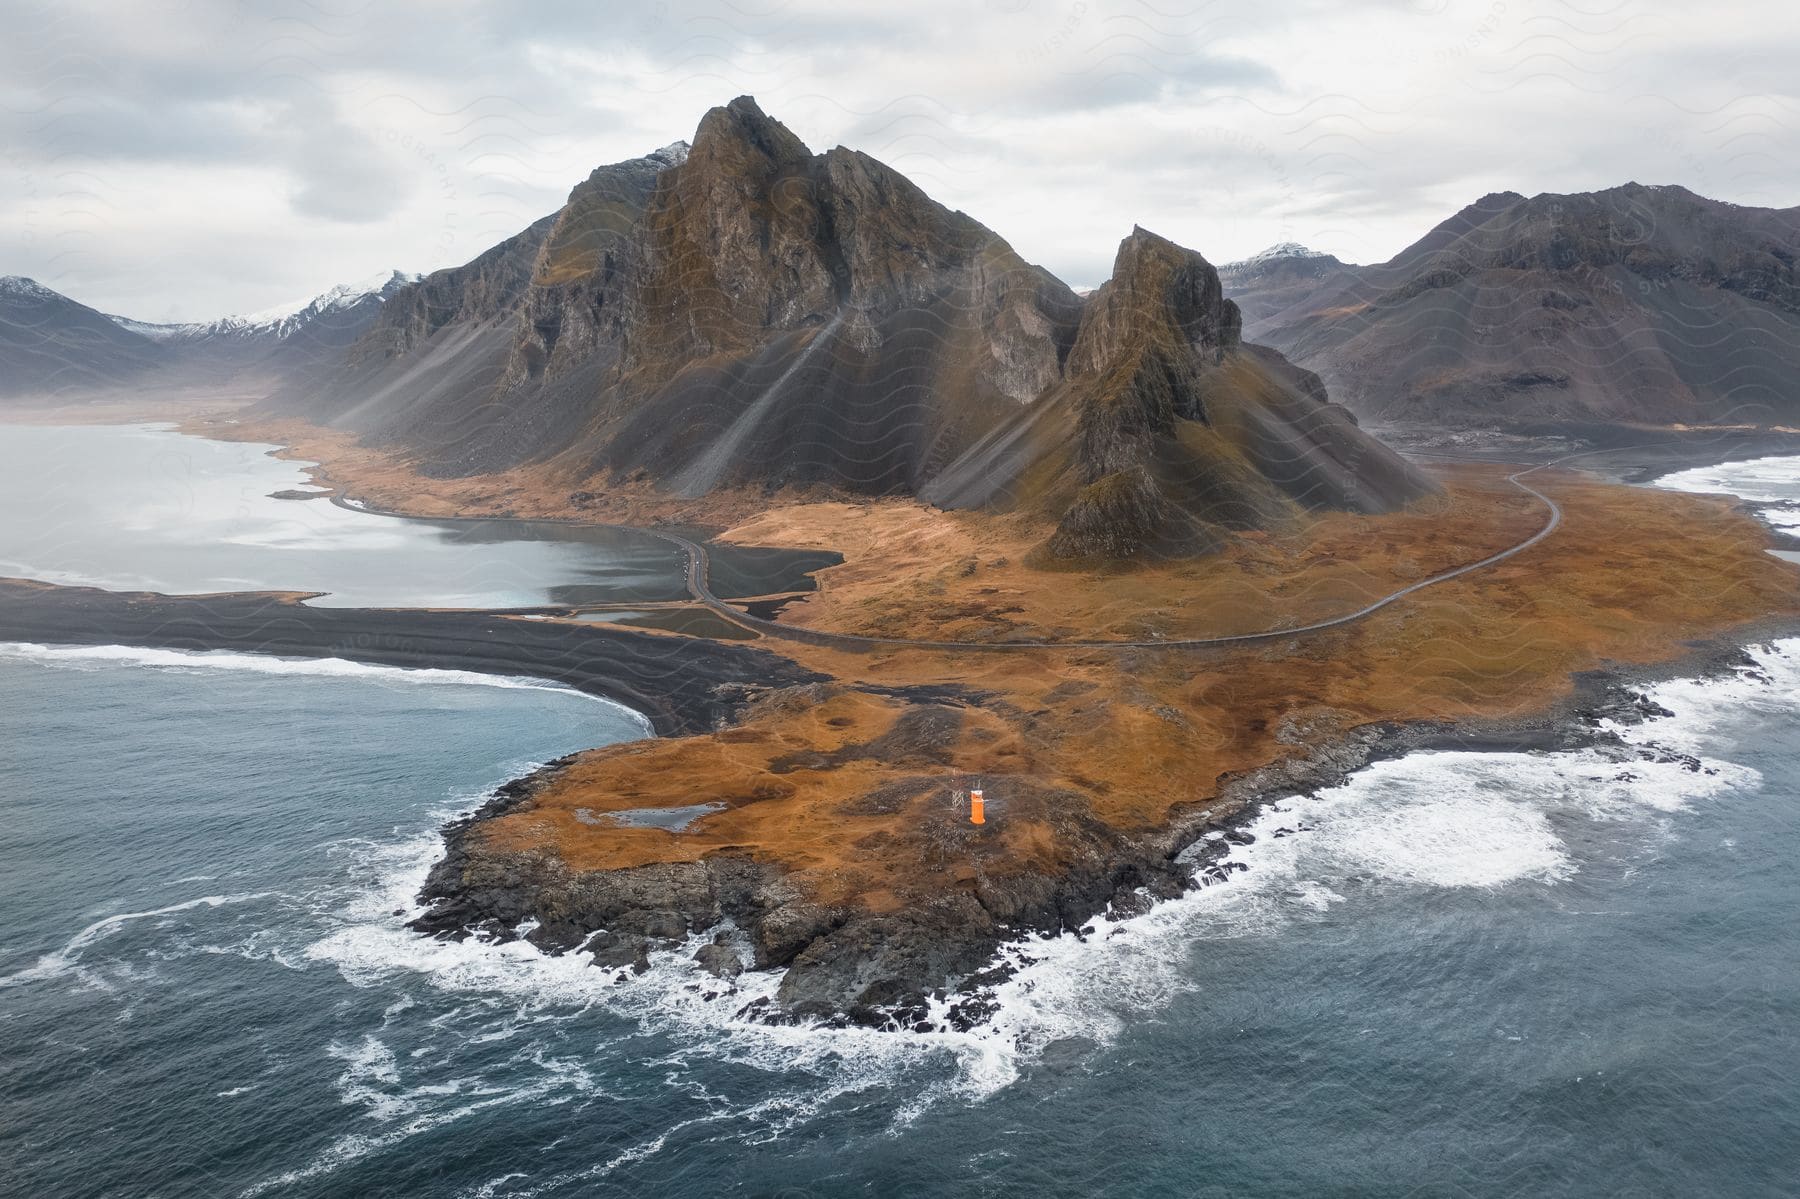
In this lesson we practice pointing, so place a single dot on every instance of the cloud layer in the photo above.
(184, 160)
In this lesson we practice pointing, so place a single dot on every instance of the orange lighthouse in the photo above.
(977, 812)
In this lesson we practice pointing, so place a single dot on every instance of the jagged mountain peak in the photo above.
(742, 126)
(53, 347)
(1158, 289)
(1267, 282)
(282, 317)
(281, 321)
(758, 316)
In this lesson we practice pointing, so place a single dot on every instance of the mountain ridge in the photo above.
(1645, 304)
(757, 316)
(54, 347)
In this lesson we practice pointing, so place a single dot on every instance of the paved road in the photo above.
(697, 568)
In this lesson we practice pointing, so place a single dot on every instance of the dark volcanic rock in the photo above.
(747, 313)
(781, 932)
(1634, 304)
(476, 889)
(874, 968)
(871, 967)
(1184, 432)
(1120, 515)
(719, 960)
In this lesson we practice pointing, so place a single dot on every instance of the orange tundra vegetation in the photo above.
(844, 785)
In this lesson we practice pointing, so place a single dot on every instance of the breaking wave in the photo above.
(1475, 820)
(1773, 483)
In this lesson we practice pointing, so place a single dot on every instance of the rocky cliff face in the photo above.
(1636, 304)
(487, 288)
(1182, 433)
(745, 313)
(794, 318)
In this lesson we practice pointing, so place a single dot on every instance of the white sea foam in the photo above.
(1460, 819)
(674, 1002)
(1773, 482)
(1434, 820)
(97, 657)
(1481, 821)
(1759, 480)
(1429, 820)
(67, 960)
(370, 1078)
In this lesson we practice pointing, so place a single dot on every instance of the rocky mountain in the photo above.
(52, 347)
(1166, 430)
(1632, 305)
(57, 350)
(746, 314)
(1276, 279)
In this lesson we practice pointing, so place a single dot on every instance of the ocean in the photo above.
(1483, 974)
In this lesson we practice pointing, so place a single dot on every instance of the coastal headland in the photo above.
(805, 806)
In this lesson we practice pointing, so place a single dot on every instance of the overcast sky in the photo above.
(179, 161)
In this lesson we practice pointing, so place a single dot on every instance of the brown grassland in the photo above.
(847, 786)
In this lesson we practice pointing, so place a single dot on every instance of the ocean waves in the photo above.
(1773, 484)
(1426, 822)
(67, 962)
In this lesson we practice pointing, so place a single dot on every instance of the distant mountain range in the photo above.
(54, 348)
(1633, 305)
(1271, 281)
(342, 306)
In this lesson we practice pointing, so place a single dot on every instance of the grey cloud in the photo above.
(356, 137)
(340, 174)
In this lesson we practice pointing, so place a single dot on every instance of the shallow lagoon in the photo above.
(143, 508)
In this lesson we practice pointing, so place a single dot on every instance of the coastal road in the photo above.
(698, 586)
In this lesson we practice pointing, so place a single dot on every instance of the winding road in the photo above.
(697, 570)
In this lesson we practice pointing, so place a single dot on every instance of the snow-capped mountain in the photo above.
(1268, 282)
(51, 346)
(1286, 254)
(54, 348)
(346, 300)
(18, 287)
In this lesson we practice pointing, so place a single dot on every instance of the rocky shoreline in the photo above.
(940, 961)
(930, 959)
(935, 960)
